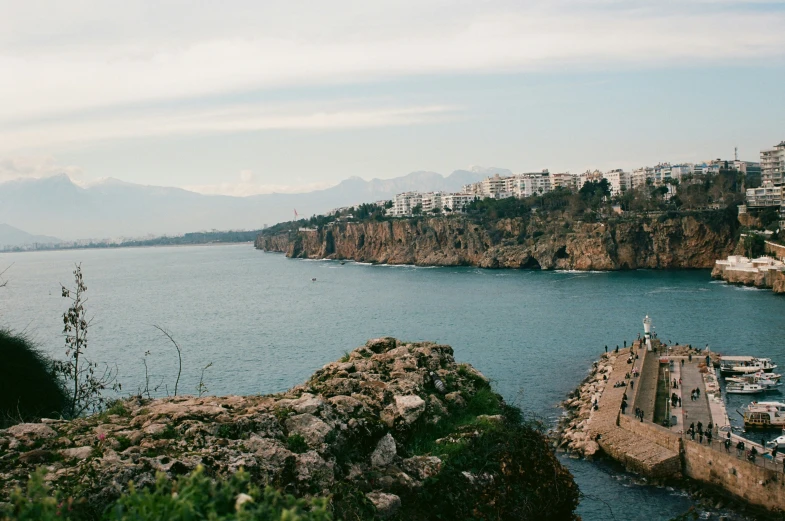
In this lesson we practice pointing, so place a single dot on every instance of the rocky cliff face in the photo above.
(690, 241)
(393, 430)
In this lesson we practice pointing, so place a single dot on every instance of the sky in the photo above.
(243, 97)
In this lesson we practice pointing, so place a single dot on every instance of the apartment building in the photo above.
(619, 181)
(772, 165)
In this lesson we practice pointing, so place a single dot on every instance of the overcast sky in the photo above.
(244, 97)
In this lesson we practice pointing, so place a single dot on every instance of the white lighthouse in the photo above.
(647, 332)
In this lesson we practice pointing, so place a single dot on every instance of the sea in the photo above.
(250, 322)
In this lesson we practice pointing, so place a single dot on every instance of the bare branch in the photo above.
(179, 355)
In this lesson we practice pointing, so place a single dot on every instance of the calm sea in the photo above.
(265, 325)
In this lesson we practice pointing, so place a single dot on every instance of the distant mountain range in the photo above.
(10, 237)
(113, 208)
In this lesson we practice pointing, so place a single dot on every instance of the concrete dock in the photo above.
(667, 451)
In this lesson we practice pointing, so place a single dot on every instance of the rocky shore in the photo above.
(393, 430)
(763, 273)
(572, 434)
(663, 242)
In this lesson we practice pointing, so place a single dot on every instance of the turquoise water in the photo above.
(265, 326)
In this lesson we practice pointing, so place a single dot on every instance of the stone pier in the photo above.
(637, 453)
(664, 452)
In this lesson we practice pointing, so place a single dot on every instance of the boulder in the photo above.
(409, 407)
(422, 467)
(78, 453)
(386, 504)
(309, 427)
(385, 451)
(31, 431)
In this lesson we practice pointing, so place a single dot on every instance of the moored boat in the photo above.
(745, 388)
(764, 415)
(733, 365)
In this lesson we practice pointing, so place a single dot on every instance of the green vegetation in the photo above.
(30, 388)
(297, 444)
(191, 497)
(82, 377)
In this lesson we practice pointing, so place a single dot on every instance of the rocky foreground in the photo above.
(394, 429)
(663, 242)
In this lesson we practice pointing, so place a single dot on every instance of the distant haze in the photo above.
(112, 208)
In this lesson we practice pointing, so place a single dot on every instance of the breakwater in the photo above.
(637, 440)
(663, 242)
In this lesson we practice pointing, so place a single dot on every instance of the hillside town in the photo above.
(768, 174)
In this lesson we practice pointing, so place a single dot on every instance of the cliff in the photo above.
(679, 241)
(375, 433)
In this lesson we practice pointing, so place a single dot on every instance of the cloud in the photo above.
(31, 167)
(247, 185)
(113, 54)
(214, 120)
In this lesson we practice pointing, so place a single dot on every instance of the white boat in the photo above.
(764, 415)
(756, 378)
(778, 442)
(744, 388)
(732, 365)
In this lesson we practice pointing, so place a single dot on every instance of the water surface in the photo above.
(266, 326)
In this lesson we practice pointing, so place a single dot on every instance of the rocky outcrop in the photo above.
(371, 432)
(678, 241)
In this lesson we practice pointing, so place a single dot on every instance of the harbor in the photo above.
(659, 409)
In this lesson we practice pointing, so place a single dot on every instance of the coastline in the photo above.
(134, 246)
(668, 242)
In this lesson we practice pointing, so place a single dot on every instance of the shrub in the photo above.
(504, 471)
(29, 387)
(297, 444)
(194, 496)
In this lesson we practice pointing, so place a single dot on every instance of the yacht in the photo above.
(765, 379)
(745, 388)
(734, 365)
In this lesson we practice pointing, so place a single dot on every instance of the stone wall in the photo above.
(652, 432)
(775, 250)
(752, 483)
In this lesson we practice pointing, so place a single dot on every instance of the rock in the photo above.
(35, 456)
(409, 407)
(385, 451)
(78, 453)
(455, 398)
(31, 431)
(312, 468)
(155, 429)
(309, 427)
(422, 467)
(386, 504)
(380, 345)
(306, 404)
(345, 405)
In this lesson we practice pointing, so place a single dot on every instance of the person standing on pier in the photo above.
(606, 349)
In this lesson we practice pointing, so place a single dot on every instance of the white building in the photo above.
(772, 165)
(431, 201)
(766, 195)
(458, 202)
(619, 181)
(404, 203)
(564, 180)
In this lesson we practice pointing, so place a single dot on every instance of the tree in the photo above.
(82, 375)
(417, 210)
